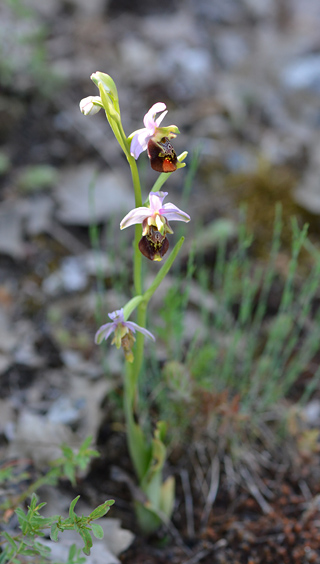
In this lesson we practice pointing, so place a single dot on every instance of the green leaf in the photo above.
(86, 443)
(69, 471)
(72, 552)
(10, 540)
(72, 514)
(54, 532)
(27, 551)
(148, 519)
(74, 556)
(101, 510)
(41, 549)
(97, 530)
(86, 537)
(167, 496)
(5, 556)
(67, 451)
(131, 306)
(22, 517)
(107, 82)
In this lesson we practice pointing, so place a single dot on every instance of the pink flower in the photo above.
(155, 224)
(152, 130)
(123, 333)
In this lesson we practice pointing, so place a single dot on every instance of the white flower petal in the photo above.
(160, 118)
(90, 105)
(104, 332)
(139, 142)
(149, 118)
(135, 327)
(117, 315)
(135, 216)
(172, 212)
(156, 199)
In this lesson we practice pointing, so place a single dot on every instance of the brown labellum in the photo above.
(154, 245)
(162, 155)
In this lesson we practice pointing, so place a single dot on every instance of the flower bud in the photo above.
(103, 79)
(90, 105)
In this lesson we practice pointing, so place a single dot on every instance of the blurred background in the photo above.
(241, 80)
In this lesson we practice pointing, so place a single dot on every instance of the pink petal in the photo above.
(104, 332)
(134, 327)
(117, 315)
(149, 118)
(139, 142)
(156, 199)
(160, 118)
(172, 212)
(135, 216)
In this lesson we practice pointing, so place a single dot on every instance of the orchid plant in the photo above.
(151, 222)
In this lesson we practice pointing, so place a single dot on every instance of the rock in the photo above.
(11, 232)
(38, 438)
(307, 193)
(85, 196)
(303, 73)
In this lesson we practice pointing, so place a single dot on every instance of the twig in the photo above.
(305, 490)
(205, 551)
(201, 554)
(312, 506)
(213, 490)
(231, 475)
(170, 528)
(254, 490)
(188, 502)
(199, 471)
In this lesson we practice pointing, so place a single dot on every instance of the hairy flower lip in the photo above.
(168, 211)
(151, 130)
(118, 322)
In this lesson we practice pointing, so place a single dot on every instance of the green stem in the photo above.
(162, 272)
(142, 302)
(137, 275)
(135, 438)
(138, 447)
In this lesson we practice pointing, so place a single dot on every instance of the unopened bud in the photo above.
(90, 105)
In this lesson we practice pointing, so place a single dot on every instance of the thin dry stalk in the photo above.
(254, 490)
(213, 490)
(188, 503)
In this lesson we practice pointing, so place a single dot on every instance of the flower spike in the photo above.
(155, 224)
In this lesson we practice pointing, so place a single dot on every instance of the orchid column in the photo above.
(151, 222)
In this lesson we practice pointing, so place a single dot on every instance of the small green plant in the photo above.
(15, 546)
(33, 525)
